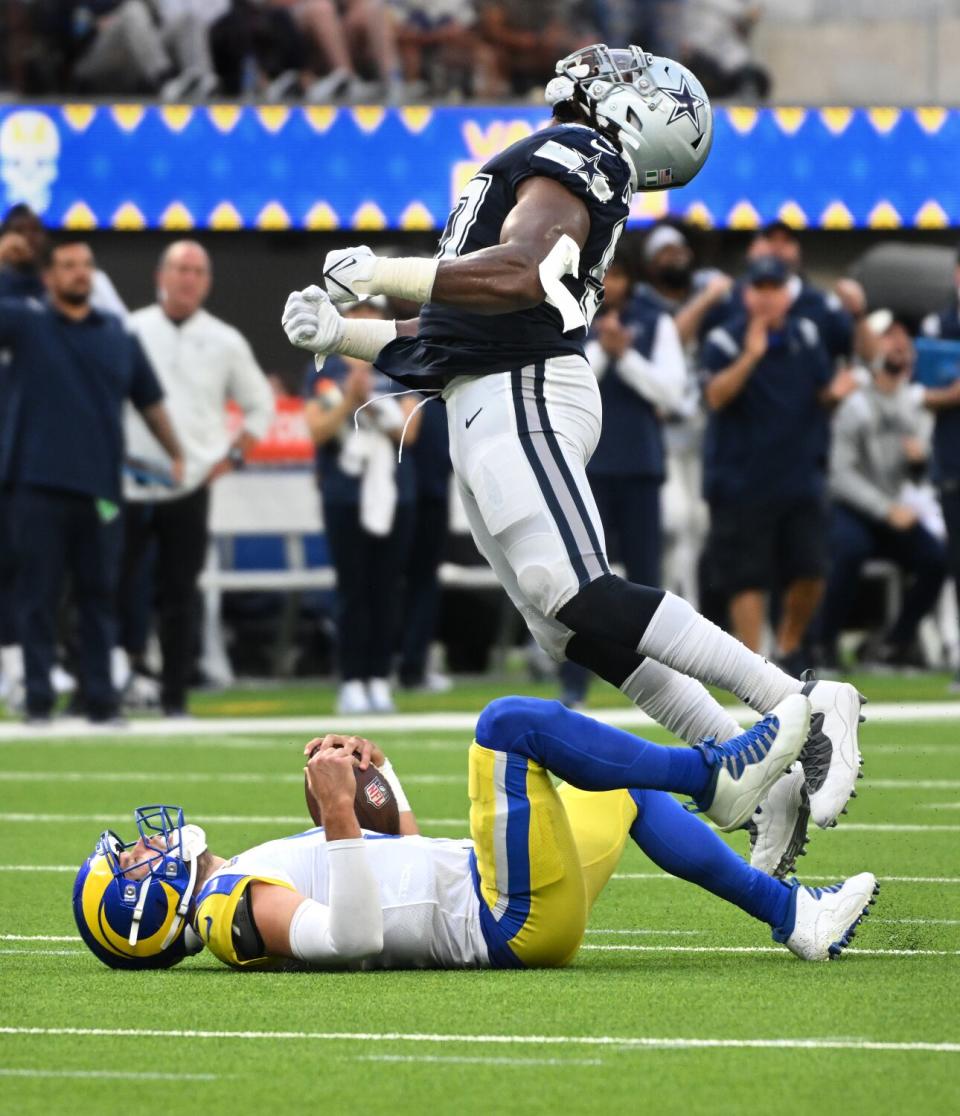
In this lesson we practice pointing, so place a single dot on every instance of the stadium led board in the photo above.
(277, 167)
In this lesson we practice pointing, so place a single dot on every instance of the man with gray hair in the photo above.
(202, 363)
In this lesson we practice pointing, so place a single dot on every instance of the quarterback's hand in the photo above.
(344, 269)
(310, 321)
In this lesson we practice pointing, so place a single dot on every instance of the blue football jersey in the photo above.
(453, 342)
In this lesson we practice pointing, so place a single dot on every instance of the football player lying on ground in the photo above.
(506, 306)
(517, 895)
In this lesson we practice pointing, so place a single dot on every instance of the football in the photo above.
(374, 804)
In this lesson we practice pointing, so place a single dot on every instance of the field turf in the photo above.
(677, 1003)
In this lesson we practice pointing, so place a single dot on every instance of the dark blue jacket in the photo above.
(631, 443)
(63, 385)
(766, 446)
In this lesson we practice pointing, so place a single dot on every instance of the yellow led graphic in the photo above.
(272, 117)
(884, 216)
(836, 120)
(320, 117)
(417, 217)
(368, 118)
(742, 120)
(176, 217)
(224, 117)
(176, 117)
(884, 119)
(931, 215)
(791, 214)
(127, 117)
(743, 216)
(369, 216)
(698, 214)
(225, 218)
(790, 120)
(836, 216)
(415, 117)
(931, 120)
(79, 117)
(79, 217)
(128, 218)
(273, 217)
(321, 217)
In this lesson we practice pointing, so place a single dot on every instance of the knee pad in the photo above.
(612, 609)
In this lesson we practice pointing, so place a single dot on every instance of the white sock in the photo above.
(679, 703)
(11, 663)
(680, 637)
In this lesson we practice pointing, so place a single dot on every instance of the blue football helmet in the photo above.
(131, 922)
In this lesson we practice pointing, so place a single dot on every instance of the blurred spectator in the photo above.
(421, 593)
(637, 358)
(717, 36)
(350, 35)
(138, 46)
(526, 40)
(61, 398)
(675, 286)
(438, 45)
(202, 363)
(23, 245)
(945, 403)
(840, 315)
(768, 378)
(880, 441)
(368, 502)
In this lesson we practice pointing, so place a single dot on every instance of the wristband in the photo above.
(386, 770)
(363, 338)
(408, 277)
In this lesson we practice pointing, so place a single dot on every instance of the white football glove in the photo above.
(310, 321)
(344, 269)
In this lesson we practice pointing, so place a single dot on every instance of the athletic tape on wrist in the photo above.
(393, 781)
(363, 338)
(408, 277)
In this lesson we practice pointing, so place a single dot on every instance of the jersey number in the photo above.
(463, 217)
(593, 283)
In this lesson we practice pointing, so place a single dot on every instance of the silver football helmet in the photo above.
(654, 109)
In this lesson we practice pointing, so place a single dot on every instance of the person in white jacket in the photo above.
(202, 363)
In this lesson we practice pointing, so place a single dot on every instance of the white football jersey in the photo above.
(430, 908)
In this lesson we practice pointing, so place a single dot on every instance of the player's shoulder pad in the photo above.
(585, 162)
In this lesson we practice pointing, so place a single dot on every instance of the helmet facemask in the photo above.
(136, 917)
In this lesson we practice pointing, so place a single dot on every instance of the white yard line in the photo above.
(252, 777)
(853, 951)
(660, 876)
(76, 729)
(109, 1075)
(453, 1059)
(621, 1041)
(40, 938)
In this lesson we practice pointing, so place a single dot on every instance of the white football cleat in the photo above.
(778, 827)
(353, 698)
(823, 920)
(381, 697)
(746, 767)
(831, 756)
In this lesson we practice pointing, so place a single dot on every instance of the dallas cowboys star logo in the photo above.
(685, 104)
(589, 168)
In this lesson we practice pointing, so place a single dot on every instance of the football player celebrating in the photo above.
(517, 895)
(506, 305)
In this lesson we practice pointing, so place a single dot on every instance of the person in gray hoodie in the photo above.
(880, 441)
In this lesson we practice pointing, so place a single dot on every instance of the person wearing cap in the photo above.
(945, 403)
(880, 442)
(768, 381)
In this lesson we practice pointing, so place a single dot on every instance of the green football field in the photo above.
(677, 1002)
